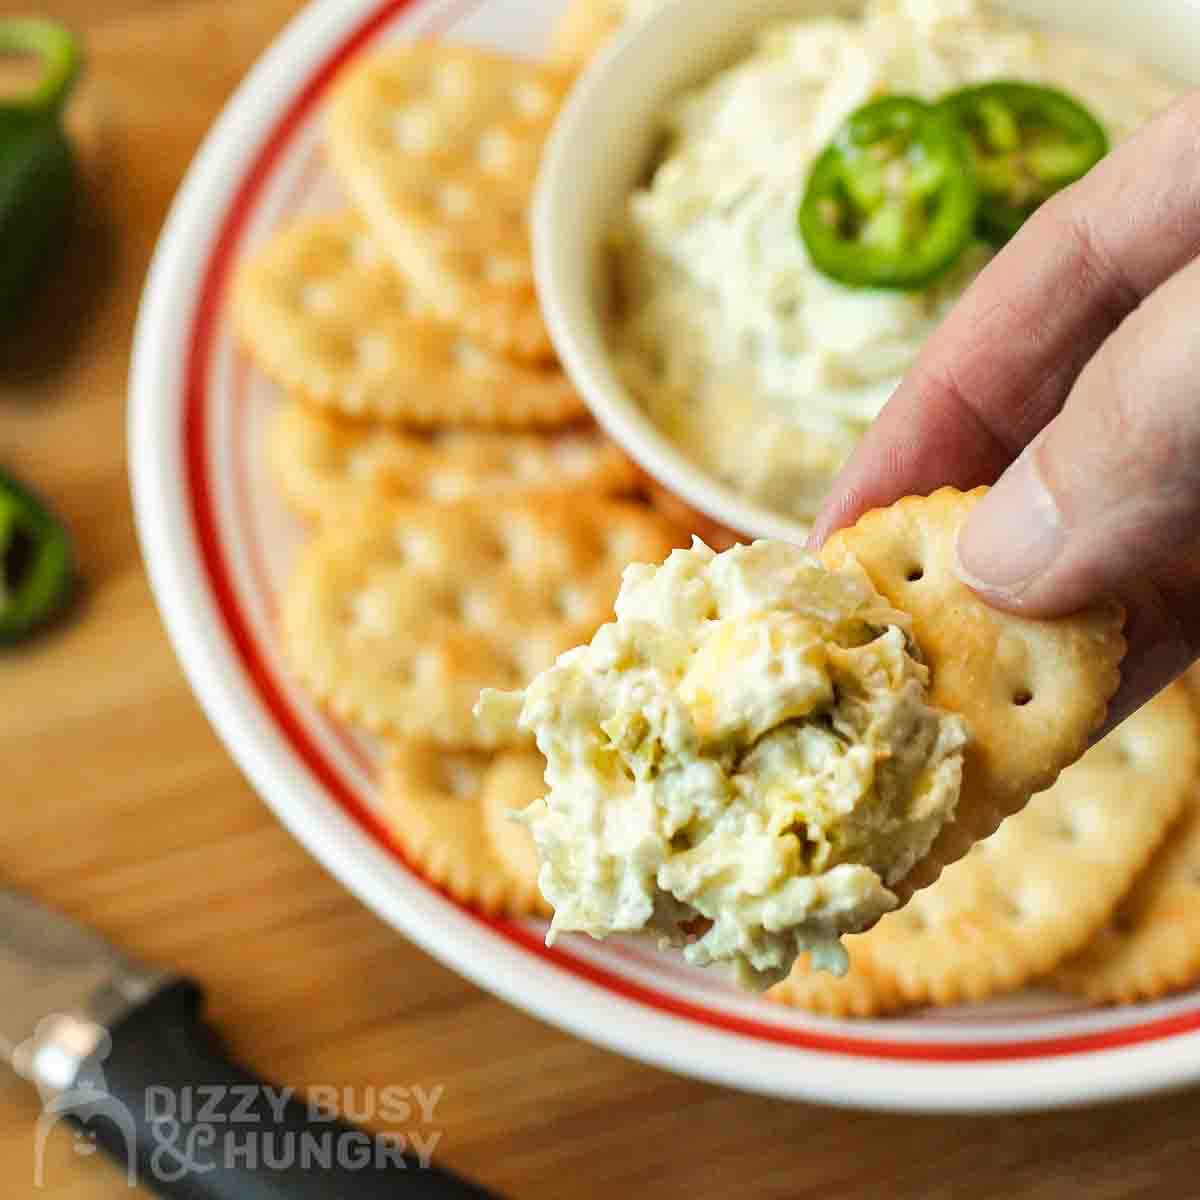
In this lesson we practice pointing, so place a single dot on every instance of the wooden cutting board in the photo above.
(122, 808)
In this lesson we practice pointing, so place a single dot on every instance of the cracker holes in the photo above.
(373, 352)
(317, 297)
(527, 463)
(455, 201)
(466, 356)
(1067, 830)
(460, 778)
(574, 458)
(414, 130)
(452, 80)
(570, 603)
(427, 667)
(1022, 697)
(531, 100)
(404, 672)
(504, 272)
(362, 251)
(510, 668)
(474, 608)
(446, 487)
(370, 613)
(522, 544)
(495, 151)
(621, 546)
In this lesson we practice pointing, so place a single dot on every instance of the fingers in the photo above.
(1002, 363)
(1106, 500)
(1163, 632)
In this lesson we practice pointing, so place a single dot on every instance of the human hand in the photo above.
(1070, 372)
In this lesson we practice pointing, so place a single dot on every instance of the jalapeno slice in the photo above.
(36, 574)
(892, 201)
(1027, 142)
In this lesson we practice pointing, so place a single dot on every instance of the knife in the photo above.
(121, 1051)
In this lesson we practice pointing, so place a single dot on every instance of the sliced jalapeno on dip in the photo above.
(36, 576)
(1027, 142)
(892, 201)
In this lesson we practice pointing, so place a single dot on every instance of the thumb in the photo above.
(1105, 502)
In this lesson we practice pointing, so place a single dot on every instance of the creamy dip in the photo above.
(763, 370)
(740, 764)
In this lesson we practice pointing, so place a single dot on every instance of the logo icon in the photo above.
(86, 1105)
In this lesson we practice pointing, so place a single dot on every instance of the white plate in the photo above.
(217, 543)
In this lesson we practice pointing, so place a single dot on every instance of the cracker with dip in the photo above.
(766, 751)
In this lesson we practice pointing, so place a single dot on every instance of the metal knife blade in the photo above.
(51, 967)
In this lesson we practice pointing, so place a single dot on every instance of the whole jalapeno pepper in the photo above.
(37, 167)
(1027, 142)
(892, 202)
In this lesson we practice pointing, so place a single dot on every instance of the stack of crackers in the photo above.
(467, 524)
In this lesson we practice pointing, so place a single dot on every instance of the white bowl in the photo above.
(604, 139)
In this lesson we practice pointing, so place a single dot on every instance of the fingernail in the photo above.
(1013, 536)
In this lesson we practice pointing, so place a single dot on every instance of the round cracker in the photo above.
(431, 801)
(1032, 691)
(1152, 944)
(514, 781)
(439, 144)
(399, 613)
(322, 310)
(1036, 890)
(322, 463)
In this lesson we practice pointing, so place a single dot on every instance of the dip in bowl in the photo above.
(679, 290)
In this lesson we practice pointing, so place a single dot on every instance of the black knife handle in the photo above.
(202, 1128)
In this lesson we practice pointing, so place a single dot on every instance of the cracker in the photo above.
(1037, 889)
(1031, 690)
(583, 30)
(1152, 944)
(858, 993)
(431, 801)
(715, 536)
(587, 26)
(325, 314)
(322, 463)
(399, 613)
(439, 146)
(1192, 679)
(515, 780)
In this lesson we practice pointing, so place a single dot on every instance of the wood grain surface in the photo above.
(122, 808)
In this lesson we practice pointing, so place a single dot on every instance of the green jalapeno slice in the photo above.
(36, 574)
(892, 202)
(1027, 142)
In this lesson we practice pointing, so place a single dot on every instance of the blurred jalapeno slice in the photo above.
(1027, 142)
(37, 168)
(36, 575)
(892, 201)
